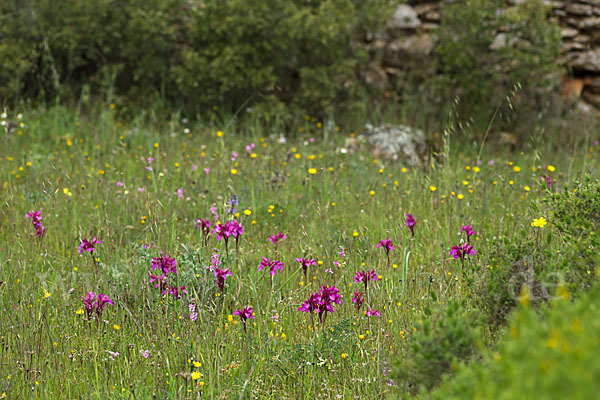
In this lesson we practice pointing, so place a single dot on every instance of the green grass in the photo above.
(67, 165)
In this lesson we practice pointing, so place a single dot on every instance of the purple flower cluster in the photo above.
(228, 229)
(244, 314)
(387, 245)
(461, 251)
(322, 302)
(220, 276)
(36, 220)
(365, 276)
(305, 263)
(358, 300)
(98, 305)
(410, 223)
(88, 246)
(203, 224)
(273, 265)
(166, 267)
(276, 238)
(468, 230)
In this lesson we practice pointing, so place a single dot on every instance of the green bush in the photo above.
(486, 47)
(194, 55)
(564, 252)
(553, 356)
(437, 345)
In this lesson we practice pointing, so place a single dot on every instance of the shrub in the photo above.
(552, 356)
(195, 55)
(488, 46)
(437, 345)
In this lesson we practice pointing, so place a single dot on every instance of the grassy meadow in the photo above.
(140, 186)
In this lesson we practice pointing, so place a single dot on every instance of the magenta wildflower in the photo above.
(372, 313)
(322, 302)
(410, 223)
(180, 193)
(120, 184)
(88, 246)
(250, 147)
(273, 265)
(358, 299)
(468, 230)
(305, 263)
(165, 264)
(160, 282)
(365, 277)
(203, 224)
(146, 353)
(221, 275)
(461, 251)
(101, 302)
(88, 303)
(36, 220)
(312, 304)
(386, 244)
(276, 238)
(176, 292)
(245, 314)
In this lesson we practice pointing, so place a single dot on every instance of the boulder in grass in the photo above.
(397, 142)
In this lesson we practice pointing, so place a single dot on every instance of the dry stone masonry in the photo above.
(411, 35)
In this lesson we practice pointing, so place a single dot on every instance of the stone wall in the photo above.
(411, 36)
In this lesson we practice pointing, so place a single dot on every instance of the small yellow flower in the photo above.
(361, 337)
(196, 375)
(197, 364)
(247, 212)
(539, 222)
(432, 188)
(460, 196)
(312, 171)
(527, 188)
(79, 312)
(116, 327)
(355, 234)
(230, 318)
(344, 356)
(372, 193)
(219, 133)
(297, 156)
(156, 145)
(233, 171)
(516, 168)
(46, 294)
(551, 168)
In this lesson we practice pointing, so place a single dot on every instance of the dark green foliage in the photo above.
(194, 55)
(553, 356)
(438, 344)
(487, 47)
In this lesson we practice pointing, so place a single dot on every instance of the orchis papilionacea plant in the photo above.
(220, 276)
(468, 230)
(276, 238)
(36, 220)
(305, 263)
(322, 302)
(88, 246)
(365, 276)
(358, 299)
(245, 314)
(98, 306)
(372, 313)
(229, 229)
(203, 224)
(461, 251)
(166, 266)
(273, 266)
(388, 247)
(410, 223)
